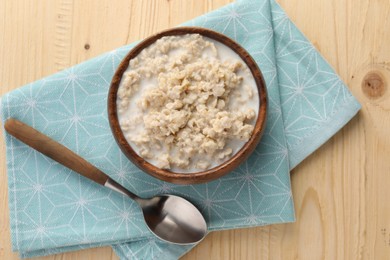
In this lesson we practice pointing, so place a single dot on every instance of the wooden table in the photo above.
(341, 192)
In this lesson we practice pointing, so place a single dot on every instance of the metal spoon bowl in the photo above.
(169, 217)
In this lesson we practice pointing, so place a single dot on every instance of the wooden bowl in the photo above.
(202, 176)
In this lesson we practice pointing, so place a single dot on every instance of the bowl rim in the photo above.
(201, 176)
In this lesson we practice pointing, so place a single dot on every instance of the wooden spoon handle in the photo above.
(54, 150)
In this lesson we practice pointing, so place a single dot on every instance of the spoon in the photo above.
(171, 218)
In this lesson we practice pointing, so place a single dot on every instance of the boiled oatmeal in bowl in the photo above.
(186, 103)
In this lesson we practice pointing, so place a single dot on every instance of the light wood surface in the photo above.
(341, 192)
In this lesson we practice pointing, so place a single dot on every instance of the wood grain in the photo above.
(340, 192)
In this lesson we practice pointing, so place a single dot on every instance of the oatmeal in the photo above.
(187, 103)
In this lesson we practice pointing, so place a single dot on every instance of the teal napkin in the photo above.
(54, 210)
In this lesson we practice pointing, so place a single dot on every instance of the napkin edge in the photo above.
(339, 119)
(13, 224)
